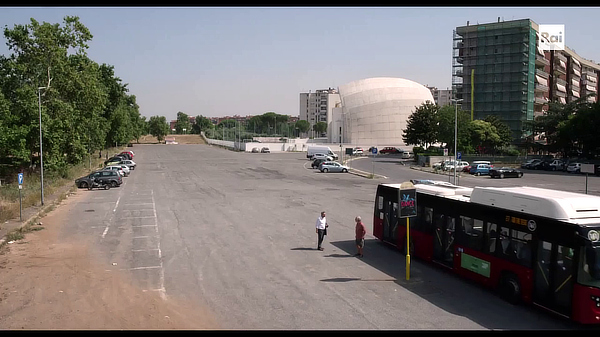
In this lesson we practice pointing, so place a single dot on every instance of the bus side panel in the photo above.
(422, 242)
(487, 270)
(585, 309)
(377, 225)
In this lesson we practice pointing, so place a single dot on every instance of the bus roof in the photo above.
(439, 188)
(560, 205)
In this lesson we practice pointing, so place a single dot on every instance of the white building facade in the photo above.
(374, 111)
(441, 97)
(318, 107)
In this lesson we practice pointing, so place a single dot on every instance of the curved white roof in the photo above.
(377, 109)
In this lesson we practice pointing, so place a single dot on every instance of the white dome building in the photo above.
(374, 111)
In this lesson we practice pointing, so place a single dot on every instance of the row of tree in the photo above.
(431, 124)
(567, 129)
(269, 123)
(84, 106)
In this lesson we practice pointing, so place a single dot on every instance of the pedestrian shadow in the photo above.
(303, 248)
(339, 255)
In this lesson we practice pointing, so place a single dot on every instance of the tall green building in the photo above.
(500, 58)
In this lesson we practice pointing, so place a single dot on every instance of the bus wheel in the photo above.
(510, 289)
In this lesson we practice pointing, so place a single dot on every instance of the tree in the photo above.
(158, 127)
(320, 127)
(502, 129)
(202, 124)
(302, 126)
(183, 122)
(484, 136)
(421, 127)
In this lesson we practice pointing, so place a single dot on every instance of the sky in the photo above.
(225, 61)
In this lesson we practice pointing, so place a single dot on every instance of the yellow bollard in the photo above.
(407, 249)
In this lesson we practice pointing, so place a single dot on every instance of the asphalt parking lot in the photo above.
(236, 232)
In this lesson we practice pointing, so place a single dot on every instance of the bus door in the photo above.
(390, 221)
(443, 239)
(553, 277)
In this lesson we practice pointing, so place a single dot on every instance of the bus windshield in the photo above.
(589, 267)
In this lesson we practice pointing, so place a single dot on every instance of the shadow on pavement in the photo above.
(303, 248)
(447, 291)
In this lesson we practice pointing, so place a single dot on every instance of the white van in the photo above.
(320, 149)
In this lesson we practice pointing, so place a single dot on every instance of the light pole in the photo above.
(455, 134)
(41, 152)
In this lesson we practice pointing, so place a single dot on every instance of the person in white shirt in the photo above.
(321, 229)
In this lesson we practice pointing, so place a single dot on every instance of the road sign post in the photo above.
(374, 152)
(587, 168)
(407, 194)
(20, 199)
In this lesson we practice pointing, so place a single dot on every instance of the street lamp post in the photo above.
(41, 152)
(455, 134)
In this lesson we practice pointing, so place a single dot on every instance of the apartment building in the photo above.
(498, 69)
(318, 107)
(441, 96)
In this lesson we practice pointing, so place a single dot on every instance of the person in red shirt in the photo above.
(361, 231)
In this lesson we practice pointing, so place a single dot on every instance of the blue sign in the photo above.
(458, 155)
(374, 150)
(20, 178)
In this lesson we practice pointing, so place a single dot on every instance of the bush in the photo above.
(418, 149)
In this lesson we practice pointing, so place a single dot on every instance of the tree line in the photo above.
(84, 106)
(267, 124)
(568, 130)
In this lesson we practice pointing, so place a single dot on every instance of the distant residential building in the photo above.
(441, 96)
(513, 78)
(318, 107)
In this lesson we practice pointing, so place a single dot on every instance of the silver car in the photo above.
(332, 166)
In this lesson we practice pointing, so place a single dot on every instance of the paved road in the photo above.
(235, 232)
(396, 169)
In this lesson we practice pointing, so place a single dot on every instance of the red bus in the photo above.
(532, 245)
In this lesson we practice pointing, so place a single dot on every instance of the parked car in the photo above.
(505, 172)
(117, 159)
(529, 163)
(130, 163)
(127, 155)
(315, 164)
(116, 168)
(125, 169)
(389, 149)
(109, 176)
(480, 169)
(574, 168)
(459, 166)
(332, 166)
(407, 155)
(556, 165)
(265, 150)
(357, 151)
(255, 150)
(322, 156)
(541, 165)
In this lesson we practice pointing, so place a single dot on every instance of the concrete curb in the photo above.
(363, 173)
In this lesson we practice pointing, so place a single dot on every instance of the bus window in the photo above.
(563, 280)
(380, 203)
(492, 235)
(521, 245)
(428, 223)
(586, 276)
(450, 231)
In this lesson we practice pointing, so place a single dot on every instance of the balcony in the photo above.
(557, 68)
(541, 61)
(560, 93)
(542, 73)
(559, 55)
(561, 81)
(540, 100)
(541, 88)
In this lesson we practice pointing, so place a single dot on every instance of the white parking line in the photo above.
(142, 203)
(162, 290)
(144, 226)
(136, 217)
(117, 204)
(140, 237)
(144, 250)
(150, 267)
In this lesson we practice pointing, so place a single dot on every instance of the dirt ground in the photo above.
(181, 139)
(50, 282)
